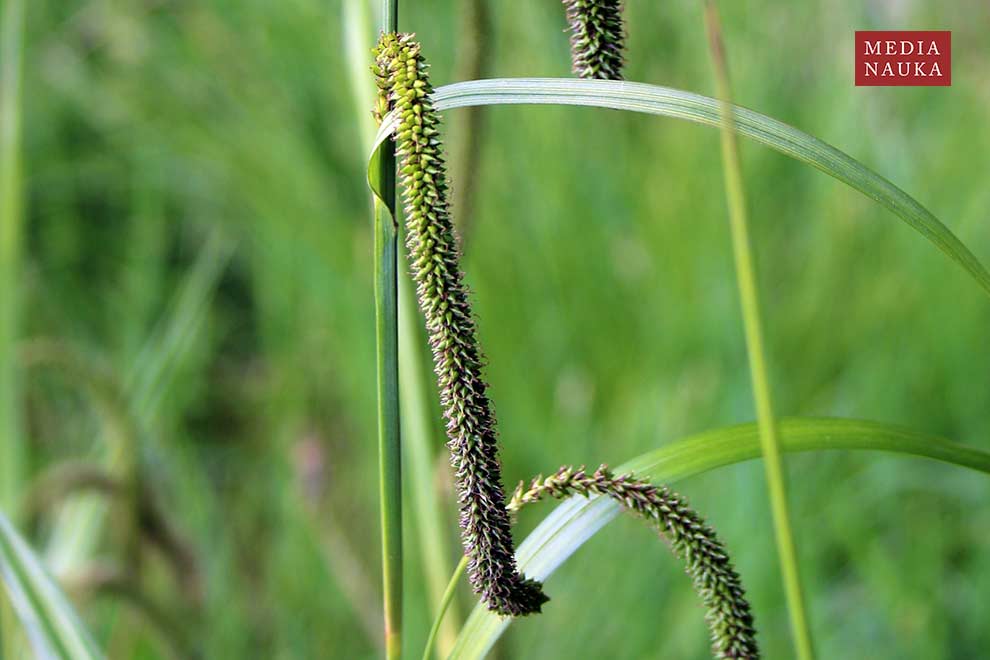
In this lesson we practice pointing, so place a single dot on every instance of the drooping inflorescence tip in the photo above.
(706, 560)
(434, 257)
(597, 38)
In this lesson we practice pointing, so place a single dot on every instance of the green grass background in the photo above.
(601, 268)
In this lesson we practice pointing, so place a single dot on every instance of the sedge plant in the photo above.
(511, 579)
(403, 81)
(407, 109)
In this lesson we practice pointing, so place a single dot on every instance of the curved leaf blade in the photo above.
(53, 628)
(668, 102)
(577, 519)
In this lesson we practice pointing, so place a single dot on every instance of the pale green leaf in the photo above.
(656, 100)
(577, 519)
(50, 623)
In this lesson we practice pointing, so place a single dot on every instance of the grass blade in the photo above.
(11, 194)
(386, 348)
(12, 450)
(656, 100)
(389, 448)
(358, 38)
(443, 607)
(53, 628)
(577, 519)
(745, 261)
(418, 427)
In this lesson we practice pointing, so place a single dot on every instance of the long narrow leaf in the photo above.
(12, 446)
(744, 257)
(577, 519)
(52, 626)
(655, 100)
(13, 449)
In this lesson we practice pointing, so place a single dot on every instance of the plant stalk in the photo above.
(386, 334)
(444, 605)
(753, 326)
(11, 220)
(11, 448)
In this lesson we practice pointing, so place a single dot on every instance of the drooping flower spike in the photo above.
(707, 562)
(434, 257)
(597, 38)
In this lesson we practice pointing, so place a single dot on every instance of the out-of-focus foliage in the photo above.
(600, 264)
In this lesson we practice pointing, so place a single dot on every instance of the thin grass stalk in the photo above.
(357, 37)
(753, 326)
(417, 426)
(389, 451)
(11, 448)
(11, 195)
(386, 336)
(445, 602)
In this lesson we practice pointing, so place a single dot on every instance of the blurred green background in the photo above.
(198, 243)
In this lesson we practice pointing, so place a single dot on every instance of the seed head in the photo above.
(434, 256)
(596, 38)
(706, 560)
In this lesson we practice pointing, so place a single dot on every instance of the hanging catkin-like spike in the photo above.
(596, 38)
(434, 258)
(707, 562)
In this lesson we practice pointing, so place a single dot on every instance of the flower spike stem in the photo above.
(434, 258)
(753, 326)
(387, 350)
(727, 611)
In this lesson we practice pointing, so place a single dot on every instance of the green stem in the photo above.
(11, 52)
(448, 597)
(752, 323)
(386, 333)
(11, 448)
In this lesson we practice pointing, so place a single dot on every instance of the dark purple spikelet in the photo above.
(597, 38)
(434, 255)
(707, 562)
